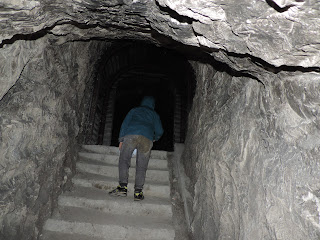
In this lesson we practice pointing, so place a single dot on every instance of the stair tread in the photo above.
(92, 193)
(98, 199)
(97, 163)
(94, 216)
(106, 179)
(105, 163)
(108, 183)
(155, 175)
(115, 150)
(52, 235)
(105, 156)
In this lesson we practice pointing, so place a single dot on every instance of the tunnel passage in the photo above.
(127, 72)
(230, 148)
(252, 148)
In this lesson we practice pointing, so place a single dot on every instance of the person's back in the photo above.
(142, 120)
(140, 128)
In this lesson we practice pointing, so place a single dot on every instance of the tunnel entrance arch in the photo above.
(130, 70)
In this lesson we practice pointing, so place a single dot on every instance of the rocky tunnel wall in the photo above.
(252, 156)
(41, 122)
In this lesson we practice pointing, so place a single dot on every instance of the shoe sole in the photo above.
(118, 194)
(138, 199)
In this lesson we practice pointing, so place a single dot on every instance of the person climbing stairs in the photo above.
(88, 212)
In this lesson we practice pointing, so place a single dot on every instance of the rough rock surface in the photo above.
(280, 32)
(41, 119)
(254, 160)
(253, 145)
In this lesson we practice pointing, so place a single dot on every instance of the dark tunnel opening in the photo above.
(130, 70)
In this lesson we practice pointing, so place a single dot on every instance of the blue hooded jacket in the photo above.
(142, 120)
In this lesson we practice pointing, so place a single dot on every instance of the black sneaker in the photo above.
(119, 191)
(138, 195)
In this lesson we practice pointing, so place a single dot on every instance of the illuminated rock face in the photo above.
(253, 140)
(252, 156)
(41, 117)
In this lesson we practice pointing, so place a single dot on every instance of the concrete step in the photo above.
(99, 199)
(99, 225)
(159, 176)
(115, 151)
(108, 183)
(52, 235)
(114, 159)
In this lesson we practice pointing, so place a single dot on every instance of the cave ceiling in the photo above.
(248, 35)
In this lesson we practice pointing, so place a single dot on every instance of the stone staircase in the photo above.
(89, 213)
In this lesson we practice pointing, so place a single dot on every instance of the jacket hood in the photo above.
(148, 101)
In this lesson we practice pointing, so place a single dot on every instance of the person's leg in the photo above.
(144, 146)
(126, 151)
(123, 167)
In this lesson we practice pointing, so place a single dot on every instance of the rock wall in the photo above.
(42, 116)
(280, 32)
(252, 156)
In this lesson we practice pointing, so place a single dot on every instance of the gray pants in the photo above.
(143, 146)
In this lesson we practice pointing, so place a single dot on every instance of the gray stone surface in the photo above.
(280, 32)
(41, 117)
(254, 164)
